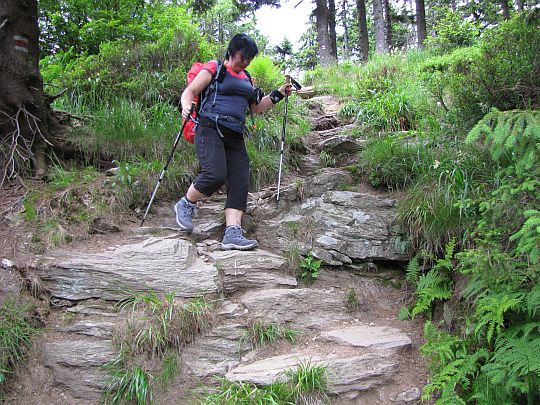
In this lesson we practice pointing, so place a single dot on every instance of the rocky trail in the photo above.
(371, 356)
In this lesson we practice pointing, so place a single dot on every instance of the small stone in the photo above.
(113, 171)
(7, 264)
(408, 396)
(372, 324)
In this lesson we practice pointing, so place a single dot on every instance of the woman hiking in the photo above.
(219, 137)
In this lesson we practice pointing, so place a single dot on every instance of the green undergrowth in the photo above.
(260, 334)
(16, 332)
(155, 329)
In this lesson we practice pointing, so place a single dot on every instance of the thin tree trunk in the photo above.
(332, 26)
(505, 9)
(345, 31)
(421, 22)
(387, 23)
(378, 22)
(363, 40)
(519, 5)
(325, 48)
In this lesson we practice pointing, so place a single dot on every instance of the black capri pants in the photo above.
(223, 160)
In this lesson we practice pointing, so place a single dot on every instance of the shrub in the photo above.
(453, 31)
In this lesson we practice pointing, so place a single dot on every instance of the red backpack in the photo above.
(189, 129)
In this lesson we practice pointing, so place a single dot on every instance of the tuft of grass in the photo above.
(351, 300)
(308, 381)
(162, 322)
(16, 332)
(169, 368)
(127, 383)
(260, 334)
(305, 385)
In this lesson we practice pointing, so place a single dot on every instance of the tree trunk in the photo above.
(519, 5)
(387, 23)
(378, 22)
(26, 119)
(363, 40)
(325, 48)
(332, 27)
(23, 112)
(505, 9)
(421, 22)
(345, 31)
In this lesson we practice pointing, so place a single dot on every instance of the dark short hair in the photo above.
(243, 43)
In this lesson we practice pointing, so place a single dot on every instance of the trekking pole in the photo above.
(287, 81)
(169, 159)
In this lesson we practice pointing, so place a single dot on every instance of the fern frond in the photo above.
(511, 133)
(412, 273)
(520, 356)
(431, 286)
(490, 312)
(532, 301)
(454, 377)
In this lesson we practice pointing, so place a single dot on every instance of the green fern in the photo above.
(433, 285)
(412, 273)
(490, 312)
(528, 236)
(454, 377)
(440, 347)
(516, 366)
(512, 135)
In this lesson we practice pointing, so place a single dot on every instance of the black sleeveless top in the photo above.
(229, 99)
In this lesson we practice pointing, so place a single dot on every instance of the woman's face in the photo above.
(237, 62)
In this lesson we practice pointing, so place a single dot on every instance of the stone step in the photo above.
(346, 372)
(163, 264)
(302, 308)
(367, 336)
(255, 269)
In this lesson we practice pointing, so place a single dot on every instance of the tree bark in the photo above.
(519, 5)
(325, 48)
(378, 22)
(363, 40)
(505, 9)
(332, 27)
(421, 23)
(26, 119)
(387, 23)
(345, 31)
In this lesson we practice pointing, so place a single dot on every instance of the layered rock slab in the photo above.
(372, 337)
(163, 264)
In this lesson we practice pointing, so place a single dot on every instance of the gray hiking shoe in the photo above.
(234, 239)
(184, 214)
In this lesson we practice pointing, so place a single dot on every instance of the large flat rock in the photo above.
(214, 353)
(301, 308)
(251, 270)
(373, 337)
(77, 365)
(164, 264)
(344, 373)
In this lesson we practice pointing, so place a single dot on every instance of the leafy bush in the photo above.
(453, 31)
(501, 72)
